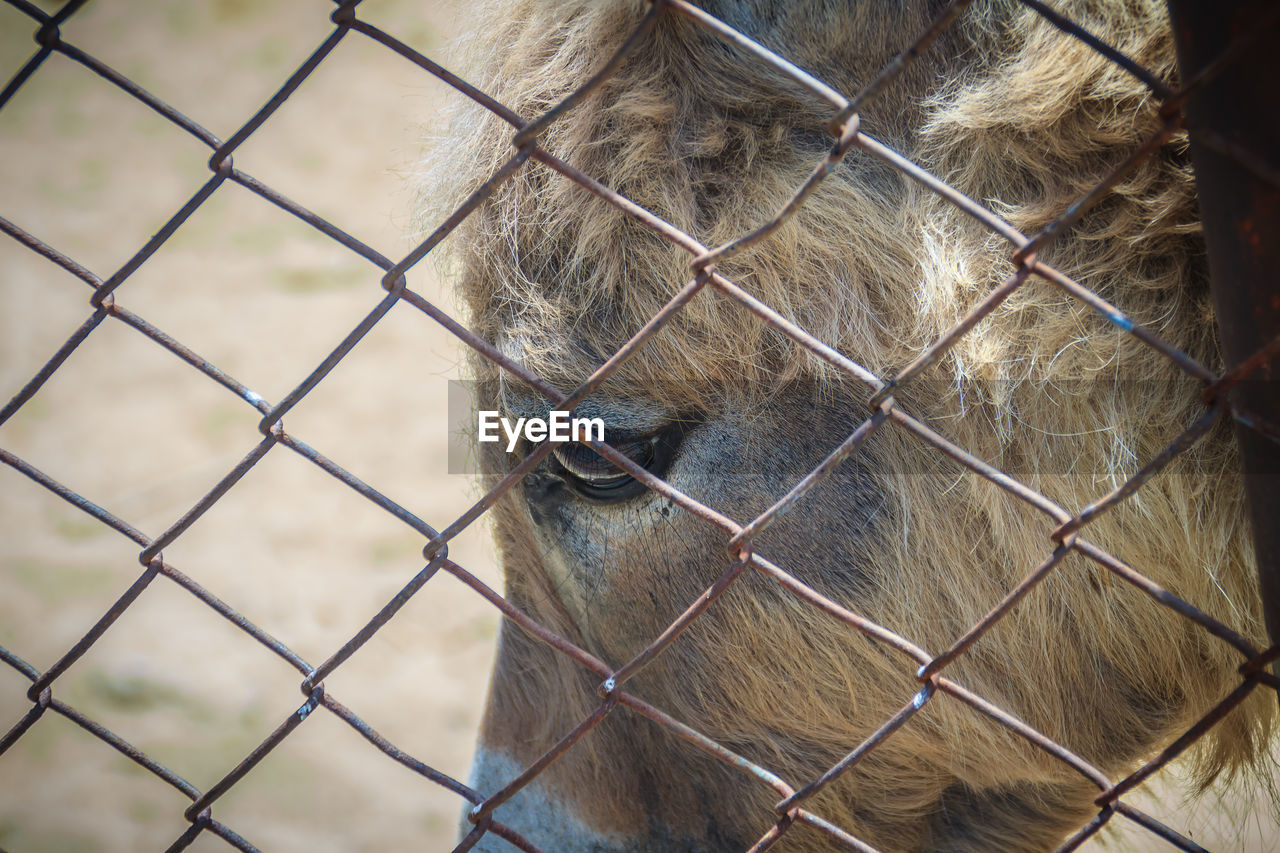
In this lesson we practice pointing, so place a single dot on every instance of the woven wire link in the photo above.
(1064, 529)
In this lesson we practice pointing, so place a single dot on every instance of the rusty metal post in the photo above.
(1234, 120)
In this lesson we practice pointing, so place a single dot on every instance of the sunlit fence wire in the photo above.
(1065, 529)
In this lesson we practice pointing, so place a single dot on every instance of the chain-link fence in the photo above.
(1065, 529)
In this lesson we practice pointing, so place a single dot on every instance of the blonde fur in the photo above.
(1021, 118)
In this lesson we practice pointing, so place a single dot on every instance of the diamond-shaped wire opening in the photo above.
(75, 143)
(144, 812)
(60, 569)
(247, 271)
(134, 388)
(368, 193)
(345, 793)
(153, 697)
(245, 49)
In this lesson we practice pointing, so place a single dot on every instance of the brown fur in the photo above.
(1021, 118)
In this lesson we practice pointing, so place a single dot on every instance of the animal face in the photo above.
(732, 411)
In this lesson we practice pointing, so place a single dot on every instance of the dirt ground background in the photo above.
(265, 297)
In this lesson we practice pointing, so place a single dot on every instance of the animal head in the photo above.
(732, 411)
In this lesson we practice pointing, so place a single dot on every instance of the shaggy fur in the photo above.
(1019, 117)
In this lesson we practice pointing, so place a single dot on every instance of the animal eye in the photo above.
(592, 476)
(582, 462)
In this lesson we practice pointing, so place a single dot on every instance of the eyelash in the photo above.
(582, 462)
(592, 476)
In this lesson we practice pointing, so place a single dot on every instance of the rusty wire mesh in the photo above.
(1064, 528)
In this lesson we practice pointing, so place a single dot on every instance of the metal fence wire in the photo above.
(1065, 530)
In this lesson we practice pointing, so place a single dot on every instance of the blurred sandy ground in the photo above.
(265, 297)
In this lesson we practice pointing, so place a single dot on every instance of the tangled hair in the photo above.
(1024, 120)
